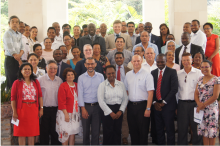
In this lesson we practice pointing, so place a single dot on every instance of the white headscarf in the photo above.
(166, 49)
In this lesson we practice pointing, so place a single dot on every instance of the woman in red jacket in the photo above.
(68, 116)
(26, 96)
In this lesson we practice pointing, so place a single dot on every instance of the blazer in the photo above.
(194, 49)
(169, 87)
(154, 39)
(110, 42)
(17, 95)
(80, 68)
(126, 69)
(63, 67)
(65, 97)
(86, 40)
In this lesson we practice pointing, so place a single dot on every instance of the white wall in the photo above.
(40, 13)
(181, 11)
(153, 11)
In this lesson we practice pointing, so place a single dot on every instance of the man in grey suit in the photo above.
(91, 39)
(110, 40)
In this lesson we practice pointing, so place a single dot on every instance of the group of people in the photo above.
(126, 82)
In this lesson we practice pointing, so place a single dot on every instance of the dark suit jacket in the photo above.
(154, 40)
(86, 40)
(63, 67)
(194, 49)
(80, 68)
(169, 87)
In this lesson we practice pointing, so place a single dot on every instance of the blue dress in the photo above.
(72, 64)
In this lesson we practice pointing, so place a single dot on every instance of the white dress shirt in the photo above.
(186, 89)
(188, 50)
(130, 65)
(59, 38)
(199, 38)
(55, 45)
(138, 84)
(107, 94)
(31, 44)
(149, 68)
(26, 48)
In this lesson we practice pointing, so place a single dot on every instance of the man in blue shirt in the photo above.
(88, 84)
(144, 36)
(14, 49)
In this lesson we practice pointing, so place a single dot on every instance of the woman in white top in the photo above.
(170, 58)
(25, 37)
(33, 59)
(67, 41)
(47, 53)
(33, 38)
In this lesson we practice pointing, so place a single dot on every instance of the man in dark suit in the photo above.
(80, 65)
(153, 38)
(57, 55)
(186, 47)
(164, 100)
(121, 71)
(91, 39)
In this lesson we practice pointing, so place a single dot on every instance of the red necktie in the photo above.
(158, 93)
(119, 74)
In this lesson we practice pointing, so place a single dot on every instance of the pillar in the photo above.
(40, 13)
(185, 11)
(153, 11)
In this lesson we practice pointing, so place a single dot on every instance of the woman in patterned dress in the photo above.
(26, 97)
(206, 95)
(68, 119)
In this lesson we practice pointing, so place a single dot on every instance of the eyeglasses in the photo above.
(185, 78)
(137, 51)
(66, 28)
(66, 40)
(207, 28)
(147, 26)
(52, 68)
(171, 46)
(90, 64)
(203, 67)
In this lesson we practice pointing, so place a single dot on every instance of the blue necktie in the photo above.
(117, 35)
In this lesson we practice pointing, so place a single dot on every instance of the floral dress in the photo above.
(209, 126)
(74, 126)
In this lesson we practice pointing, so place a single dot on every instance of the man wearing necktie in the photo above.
(121, 71)
(187, 47)
(164, 100)
(91, 39)
(61, 66)
(110, 39)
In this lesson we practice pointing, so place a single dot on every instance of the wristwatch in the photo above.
(148, 109)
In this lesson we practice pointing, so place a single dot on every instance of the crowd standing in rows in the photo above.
(123, 81)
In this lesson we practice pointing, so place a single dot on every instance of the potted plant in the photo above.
(6, 109)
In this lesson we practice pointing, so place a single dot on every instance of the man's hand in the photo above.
(147, 113)
(161, 105)
(85, 114)
(40, 113)
(118, 114)
(157, 106)
(113, 115)
(17, 56)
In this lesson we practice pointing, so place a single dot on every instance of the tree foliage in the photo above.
(101, 11)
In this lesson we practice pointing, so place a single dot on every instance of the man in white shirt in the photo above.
(198, 37)
(150, 63)
(51, 33)
(138, 51)
(187, 81)
(58, 37)
(25, 36)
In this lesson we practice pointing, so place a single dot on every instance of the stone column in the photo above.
(185, 11)
(153, 11)
(40, 13)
